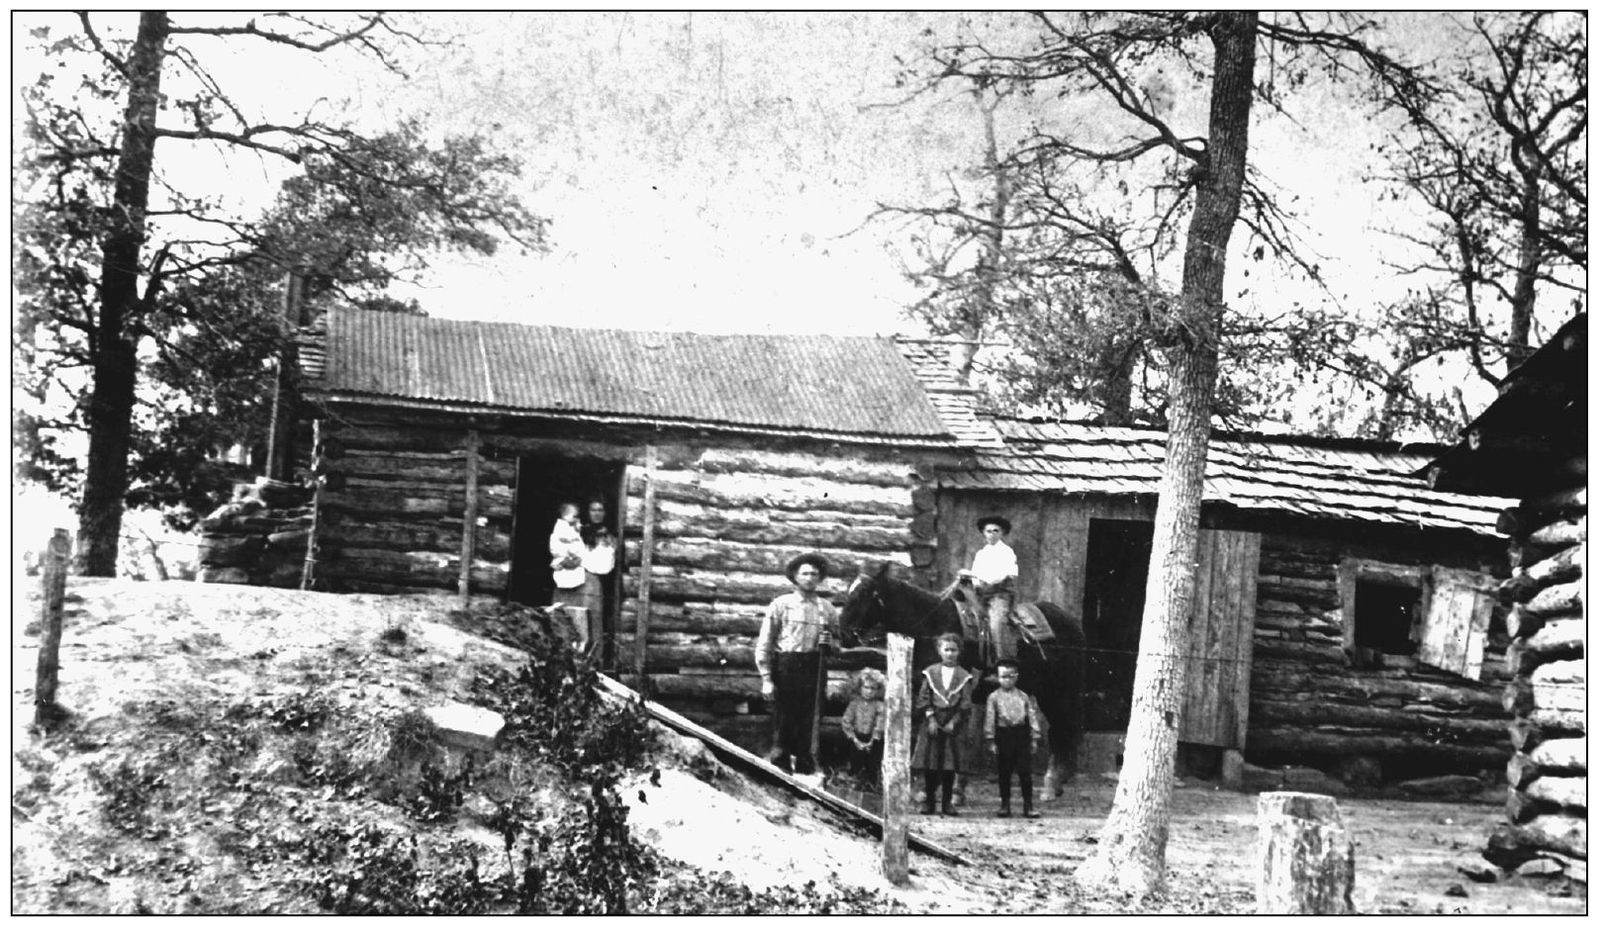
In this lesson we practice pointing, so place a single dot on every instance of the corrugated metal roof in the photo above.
(810, 383)
(1374, 482)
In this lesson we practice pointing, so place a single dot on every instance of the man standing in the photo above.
(796, 630)
(994, 575)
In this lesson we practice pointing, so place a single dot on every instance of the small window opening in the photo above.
(1386, 621)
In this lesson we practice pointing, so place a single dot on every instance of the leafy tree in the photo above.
(154, 318)
(1107, 56)
(1499, 161)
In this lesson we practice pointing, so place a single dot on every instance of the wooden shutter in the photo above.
(1214, 708)
(1456, 619)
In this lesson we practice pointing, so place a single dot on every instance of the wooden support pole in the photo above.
(1305, 857)
(647, 542)
(470, 514)
(45, 710)
(895, 776)
(319, 481)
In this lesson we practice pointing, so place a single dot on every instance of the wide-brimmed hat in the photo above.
(817, 560)
(1000, 521)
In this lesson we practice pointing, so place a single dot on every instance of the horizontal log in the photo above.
(845, 469)
(1563, 533)
(1559, 599)
(1319, 711)
(1568, 500)
(1559, 721)
(1561, 755)
(443, 537)
(1563, 791)
(741, 491)
(1522, 696)
(679, 585)
(1271, 649)
(1520, 769)
(1558, 639)
(1522, 622)
(1279, 676)
(1560, 673)
(704, 618)
(676, 520)
(711, 554)
(396, 505)
(1293, 739)
(439, 467)
(400, 568)
(340, 439)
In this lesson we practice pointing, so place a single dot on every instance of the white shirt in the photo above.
(946, 676)
(995, 563)
(599, 560)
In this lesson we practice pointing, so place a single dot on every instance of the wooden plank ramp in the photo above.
(742, 758)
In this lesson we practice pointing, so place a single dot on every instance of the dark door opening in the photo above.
(544, 484)
(1117, 554)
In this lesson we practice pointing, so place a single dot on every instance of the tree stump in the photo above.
(1305, 856)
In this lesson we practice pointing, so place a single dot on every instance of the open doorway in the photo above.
(544, 484)
(1117, 554)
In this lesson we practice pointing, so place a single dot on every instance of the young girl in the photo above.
(864, 725)
(944, 695)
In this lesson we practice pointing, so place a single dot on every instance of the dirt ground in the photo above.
(127, 640)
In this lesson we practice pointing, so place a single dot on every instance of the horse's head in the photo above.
(864, 614)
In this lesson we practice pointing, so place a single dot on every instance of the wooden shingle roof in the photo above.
(1377, 482)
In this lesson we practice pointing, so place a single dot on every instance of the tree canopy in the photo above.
(149, 307)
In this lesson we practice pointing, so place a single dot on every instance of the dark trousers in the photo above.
(942, 780)
(1013, 756)
(865, 765)
(795, 708)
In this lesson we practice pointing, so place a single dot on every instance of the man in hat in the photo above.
(790, 656)
(995, 573)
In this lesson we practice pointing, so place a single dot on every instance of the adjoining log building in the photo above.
(1531, 444)
(1345, 615)
(1348, 618)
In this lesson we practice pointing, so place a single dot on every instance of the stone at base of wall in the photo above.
(469, 728)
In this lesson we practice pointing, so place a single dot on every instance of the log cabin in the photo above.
(1344, 615)
(439, 451)
(1530, 444)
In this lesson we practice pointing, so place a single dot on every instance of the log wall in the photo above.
(726, 520)
(1546, 694)
(1310, 705)
(259, 537)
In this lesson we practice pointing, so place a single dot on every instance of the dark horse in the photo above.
(1052, 672)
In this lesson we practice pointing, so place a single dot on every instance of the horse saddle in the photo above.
(1032, 624)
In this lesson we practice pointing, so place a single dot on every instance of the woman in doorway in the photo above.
(567, 557)
(601, 555)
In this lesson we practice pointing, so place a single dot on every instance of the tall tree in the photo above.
(102, 271)
(1499, 161)
(1107, 55)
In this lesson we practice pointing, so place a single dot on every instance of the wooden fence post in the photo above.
(45, 710)
(1305, 857)
(895, 779)
(648, 538)
(470, 514)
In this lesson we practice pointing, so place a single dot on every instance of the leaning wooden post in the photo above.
(470, 514)
(648, 531)
(895, 778)
(1305, 857)
(45, 710)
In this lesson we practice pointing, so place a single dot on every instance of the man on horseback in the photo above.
(796, 630)
(993, 576)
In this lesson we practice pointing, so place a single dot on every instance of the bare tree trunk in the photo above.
(111, 401)
(1130, 852)
(1522, 305)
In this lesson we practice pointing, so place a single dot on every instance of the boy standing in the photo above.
(1013, 729)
